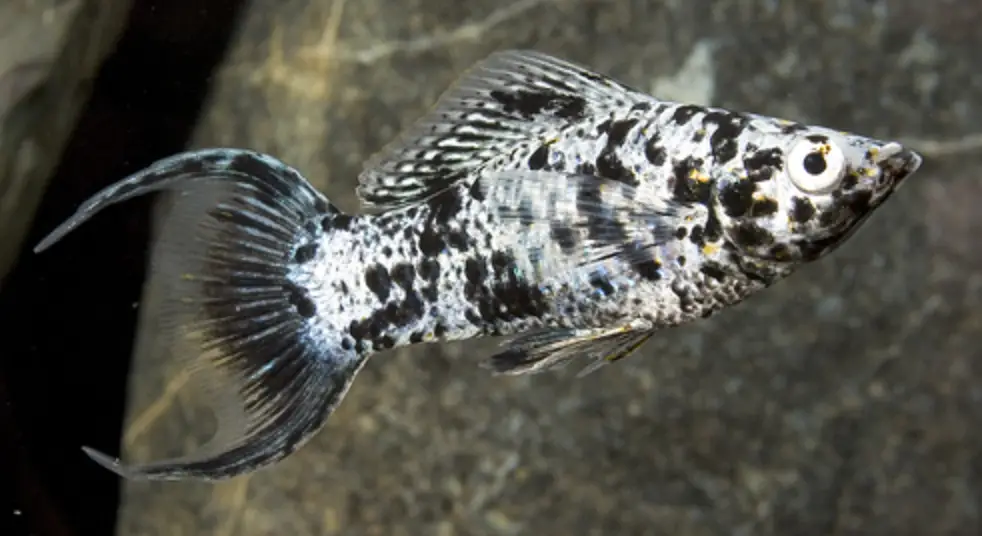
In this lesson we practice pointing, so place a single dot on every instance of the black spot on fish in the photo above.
(781, 252)
(817, 138)
(713, 270)
(699, 135)
(587, 197)
(510, 296)
(602, 283)
(618, 131)
(762, 164)
(378, 281)
(849, 182)
(391, 313)
(477, 191)
(696, 236)
(471, 291)
(586, 168)
(486, 307)
(431, 293)
(723, 142)
(340, 222)
(300, 300)
(748, 234)
(440, 330)
(737, 197)
(686, 188)
(531, 103)
(384, 342)
(445, 205)
(386, 251)
(475, 271)
(364, 329)
(813, 249)
(648, 270)
(539, 158)
(305, 253)
(346, 344)
(608, 165)
(416, 337)
(654, 152)
(311, 228)
(501, 263)
(457, 240)
(771, 157)
(564, 236)
(763, 207)
(431, 242)
(409, 311)
(854, 203)
(641, 107)
(714, 228)
(681, 260)
(793, 128)
(683, 114)
(429, 269)
(403, 274)
(681, 233)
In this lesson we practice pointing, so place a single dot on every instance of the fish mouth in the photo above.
(897, 162)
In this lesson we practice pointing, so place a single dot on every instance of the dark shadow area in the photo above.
(68, 316)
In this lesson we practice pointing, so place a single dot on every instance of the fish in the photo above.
(537, 201)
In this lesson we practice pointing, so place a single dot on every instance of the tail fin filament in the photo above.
(224, 255)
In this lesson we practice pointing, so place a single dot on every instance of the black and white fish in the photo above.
(537, 200)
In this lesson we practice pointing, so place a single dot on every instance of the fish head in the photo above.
(801, 191)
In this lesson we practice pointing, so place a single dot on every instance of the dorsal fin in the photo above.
(509, 98)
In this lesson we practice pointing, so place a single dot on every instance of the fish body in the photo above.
(537, 200)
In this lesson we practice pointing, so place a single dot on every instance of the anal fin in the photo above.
(552, 349)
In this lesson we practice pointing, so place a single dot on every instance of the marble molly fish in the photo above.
(537, 200)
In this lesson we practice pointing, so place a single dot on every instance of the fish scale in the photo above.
(537, 200)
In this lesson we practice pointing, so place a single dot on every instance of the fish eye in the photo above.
(816, 165)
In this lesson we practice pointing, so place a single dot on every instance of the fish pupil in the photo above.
(815, 163)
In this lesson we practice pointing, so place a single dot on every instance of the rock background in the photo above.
(846, 400)
(49, 52)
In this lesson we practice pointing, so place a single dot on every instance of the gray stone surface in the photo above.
(845, 400)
